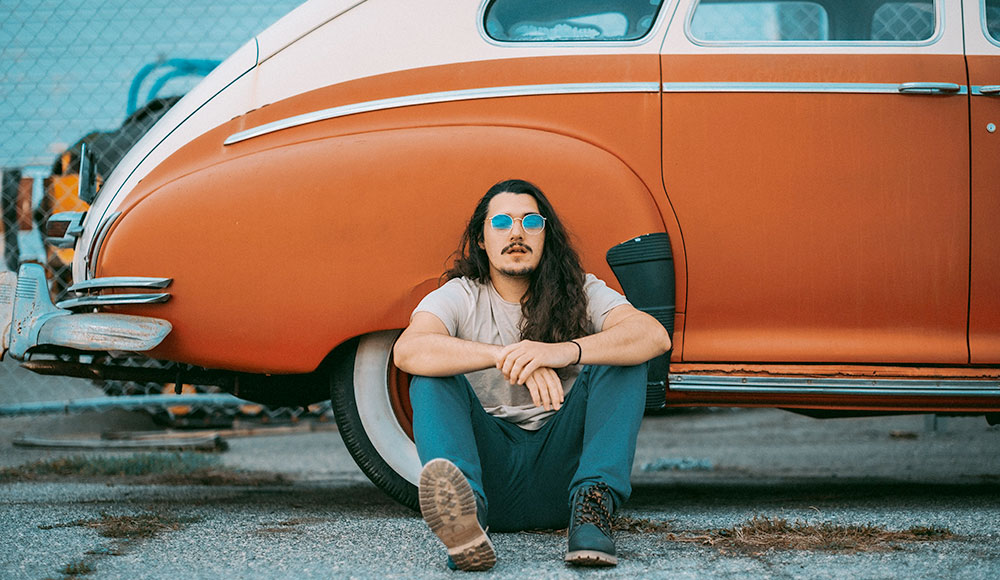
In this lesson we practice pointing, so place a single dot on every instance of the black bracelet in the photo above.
(579, 352)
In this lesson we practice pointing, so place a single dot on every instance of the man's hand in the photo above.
(520, 360)
(546, 389)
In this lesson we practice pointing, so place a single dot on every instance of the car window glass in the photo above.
(557, 20)
(992, 15)
(906, 21)
(760, 21)
(813, 21)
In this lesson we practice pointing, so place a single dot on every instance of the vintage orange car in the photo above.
(804, 192)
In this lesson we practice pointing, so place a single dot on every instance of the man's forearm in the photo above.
(634, 340)
(437, 355)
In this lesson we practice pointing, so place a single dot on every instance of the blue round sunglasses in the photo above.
(532, 223)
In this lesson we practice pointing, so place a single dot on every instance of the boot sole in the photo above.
(591, 558)
(449, 508)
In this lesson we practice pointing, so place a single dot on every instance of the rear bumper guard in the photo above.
(29, 319)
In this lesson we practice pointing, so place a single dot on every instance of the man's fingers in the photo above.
(533, 389)
(540, 392)
(514, 374)
(544, 394)
(545, 388)
(555, 388)
(507, 365)
(528, 370)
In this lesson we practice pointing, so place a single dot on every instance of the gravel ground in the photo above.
(329, 522)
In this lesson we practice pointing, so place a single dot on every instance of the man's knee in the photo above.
(435, 390)
(619, 378)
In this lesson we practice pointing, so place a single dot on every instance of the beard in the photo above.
(518, 272)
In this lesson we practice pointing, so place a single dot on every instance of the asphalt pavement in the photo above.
(696, 475)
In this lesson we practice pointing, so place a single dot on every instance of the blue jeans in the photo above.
(527, 478)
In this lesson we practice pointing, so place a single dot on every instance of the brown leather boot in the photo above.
(453, 513)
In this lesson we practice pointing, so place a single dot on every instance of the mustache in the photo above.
(518, 246)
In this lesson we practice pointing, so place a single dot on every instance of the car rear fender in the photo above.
(281, 253)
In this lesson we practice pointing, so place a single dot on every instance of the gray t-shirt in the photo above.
(476, 312)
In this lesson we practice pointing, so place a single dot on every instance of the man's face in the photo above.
(513, 252)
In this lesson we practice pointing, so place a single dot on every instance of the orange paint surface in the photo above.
(820, 227)
(984, 308)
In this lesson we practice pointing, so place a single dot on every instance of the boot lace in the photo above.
(593, 506)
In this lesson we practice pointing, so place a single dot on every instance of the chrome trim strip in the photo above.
(986, 90)
(102, 231)
(736, 87)
(112, 300)
(441, 97)
(119, 282)
(834, 386)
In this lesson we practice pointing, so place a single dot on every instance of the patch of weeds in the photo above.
(762, 534)
(619, 524)
(931, 533)
(124, 465)
(78, 568)
(184, 468)
(128, 527)
(641, 525)
(122, 530)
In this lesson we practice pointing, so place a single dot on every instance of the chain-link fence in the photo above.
(99, 72)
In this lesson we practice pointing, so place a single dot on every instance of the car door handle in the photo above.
(930, 88)
(990, 90)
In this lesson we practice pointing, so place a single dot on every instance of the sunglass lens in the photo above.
(501, 221)
(533, 222)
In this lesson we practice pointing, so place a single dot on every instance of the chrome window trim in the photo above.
(441, 97)
(653, 32)
(93, 284)
(98, 241)
(112, 300)
(938, 33)
(834, 386)
(983, 25)
(736, 87)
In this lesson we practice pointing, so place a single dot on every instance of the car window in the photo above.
(760, 21)
(992, 19)
(903, 21)
(579, 20)
(813, 21)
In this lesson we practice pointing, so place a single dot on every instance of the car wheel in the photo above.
(370, 399)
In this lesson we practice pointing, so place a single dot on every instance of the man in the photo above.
(528, 386)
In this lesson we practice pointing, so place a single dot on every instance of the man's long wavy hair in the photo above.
(555, 306)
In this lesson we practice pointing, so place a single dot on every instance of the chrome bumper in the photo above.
(29, 319)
